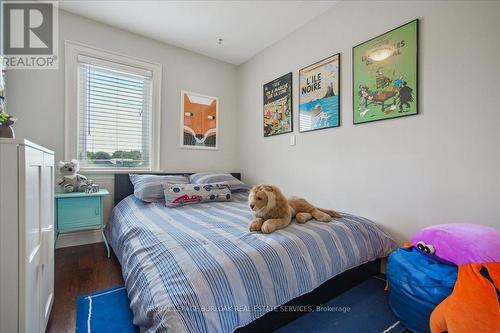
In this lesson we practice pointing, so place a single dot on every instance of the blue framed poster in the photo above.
(319, 94)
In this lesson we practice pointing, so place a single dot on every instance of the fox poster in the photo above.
(385, 75)
(199, 121)
(278, 106)
(319, 95)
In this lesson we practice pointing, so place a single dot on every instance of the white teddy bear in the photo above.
(70, 180)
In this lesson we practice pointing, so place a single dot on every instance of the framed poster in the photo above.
(2, 86)
(199, 121)
(385, 75)
(278, 106)
(319, 95)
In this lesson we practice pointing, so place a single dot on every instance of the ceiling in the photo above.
(246, 27)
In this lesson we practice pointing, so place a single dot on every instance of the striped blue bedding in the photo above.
(197, 268)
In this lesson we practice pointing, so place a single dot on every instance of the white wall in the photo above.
(36, 97)
(438, 167)
(41, 116)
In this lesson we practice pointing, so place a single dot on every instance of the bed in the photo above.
(196, 268)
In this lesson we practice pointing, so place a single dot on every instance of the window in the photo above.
(114, 118)
(113, 112)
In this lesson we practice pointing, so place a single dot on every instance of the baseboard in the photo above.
(79, 238)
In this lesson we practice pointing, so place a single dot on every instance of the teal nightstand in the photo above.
(79, 211)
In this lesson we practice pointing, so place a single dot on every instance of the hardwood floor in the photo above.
(80, 270)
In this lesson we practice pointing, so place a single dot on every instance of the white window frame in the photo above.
(72, 51)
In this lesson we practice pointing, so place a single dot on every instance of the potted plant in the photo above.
(6, 121)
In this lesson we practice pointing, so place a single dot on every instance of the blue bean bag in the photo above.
(417, 284)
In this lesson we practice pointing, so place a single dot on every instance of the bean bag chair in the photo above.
(417, 283)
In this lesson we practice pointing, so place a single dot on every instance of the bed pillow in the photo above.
(214, 177)
(148, 187)
(183, 194)
(460, 243)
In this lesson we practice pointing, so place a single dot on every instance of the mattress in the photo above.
(197, 268)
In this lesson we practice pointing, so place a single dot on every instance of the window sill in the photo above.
(114, 171)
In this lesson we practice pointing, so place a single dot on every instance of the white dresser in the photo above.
(26, 236)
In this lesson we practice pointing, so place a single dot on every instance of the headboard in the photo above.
(124, 187)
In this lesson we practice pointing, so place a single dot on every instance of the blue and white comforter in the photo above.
(197, 268)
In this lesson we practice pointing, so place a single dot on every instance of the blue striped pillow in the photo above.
(214, 177)
(148, 187)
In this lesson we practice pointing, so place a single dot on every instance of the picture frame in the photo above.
(319, 95)
(199, 121)
(2, 86)
(385, 75)
(278, 106)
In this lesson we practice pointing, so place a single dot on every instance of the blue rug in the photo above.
(363, 308)
(104, 311)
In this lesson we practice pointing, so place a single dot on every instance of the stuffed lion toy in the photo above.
(272, 211)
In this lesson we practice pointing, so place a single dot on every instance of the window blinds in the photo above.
(114, 115)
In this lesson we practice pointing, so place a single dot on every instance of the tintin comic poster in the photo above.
(319, 95)
(2, 86)
(278, 106)
(385, 75)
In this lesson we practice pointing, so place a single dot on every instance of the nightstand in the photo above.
(79, 211)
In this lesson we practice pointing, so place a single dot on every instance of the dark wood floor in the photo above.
(80, 270)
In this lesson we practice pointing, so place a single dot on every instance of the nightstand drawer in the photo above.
(78, 213)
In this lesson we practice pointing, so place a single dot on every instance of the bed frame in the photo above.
(338, 284)
(273, 320)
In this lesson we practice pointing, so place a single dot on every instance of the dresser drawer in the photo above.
(78, 213)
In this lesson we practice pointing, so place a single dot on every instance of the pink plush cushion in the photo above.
(462, 243)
